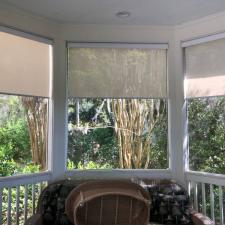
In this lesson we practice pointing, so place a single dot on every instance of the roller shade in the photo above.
(205, 69)
(25, 66)
(117, 72)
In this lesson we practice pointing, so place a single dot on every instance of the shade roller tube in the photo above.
(205, 69)
(117, 72)
(25, 66)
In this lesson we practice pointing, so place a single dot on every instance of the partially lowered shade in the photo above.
(205, 69)
(117, 72)
(25, 66)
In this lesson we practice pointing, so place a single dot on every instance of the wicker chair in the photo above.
(70, 202)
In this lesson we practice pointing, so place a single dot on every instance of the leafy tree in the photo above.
(207, 134)
(15, 148)
(93, 139)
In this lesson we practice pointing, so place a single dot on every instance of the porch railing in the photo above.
(19, 195)
(207, 192)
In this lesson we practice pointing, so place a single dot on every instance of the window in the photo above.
(205, 94)
(117, 107)
(25, 79)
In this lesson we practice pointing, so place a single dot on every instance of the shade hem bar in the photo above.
(118, 45)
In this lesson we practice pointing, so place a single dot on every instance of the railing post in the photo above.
(221, 205)
(195, 187)
(1, 191)
(212, 208)
(203, 199)
(9, 217)
(17, 204)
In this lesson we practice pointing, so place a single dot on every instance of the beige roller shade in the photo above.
(205, 69)
(117, 72)
(25, 66)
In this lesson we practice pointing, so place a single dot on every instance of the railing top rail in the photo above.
(208, 178)
(121, 173)
(14, 181)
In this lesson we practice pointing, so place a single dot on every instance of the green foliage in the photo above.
(88, 165)
(98, 145)
(159, 150)
(15, 153)
(30, 168)
(8, 166)
(14, 146)
(207, 134)
(93, 165)
(15, 142)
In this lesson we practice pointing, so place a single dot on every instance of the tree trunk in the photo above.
(37, 117)
(135, 120)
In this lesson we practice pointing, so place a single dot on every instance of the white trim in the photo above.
(50, 113)
(14, 181)
(51, 70)
(50, 135)
(201, 40)
(207, 178)
(66, 115)
(213, 96)
(117, 45)
(31, 36)
(120, 174)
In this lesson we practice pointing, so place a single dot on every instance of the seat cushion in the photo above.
(169, 204)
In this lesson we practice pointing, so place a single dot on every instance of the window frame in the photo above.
(48, 172)
(121, 173)
(193, 174)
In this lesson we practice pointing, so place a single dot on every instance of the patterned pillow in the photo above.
(169, 204)
(53, 203)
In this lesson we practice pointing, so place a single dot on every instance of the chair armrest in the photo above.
(34, 220)
(200, 219)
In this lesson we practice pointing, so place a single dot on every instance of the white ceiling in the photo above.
(143, 12)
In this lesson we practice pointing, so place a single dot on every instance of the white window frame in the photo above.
(197, 176)
(121, 173)
(48, 172)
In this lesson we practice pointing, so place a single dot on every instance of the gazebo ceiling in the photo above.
(142, 12)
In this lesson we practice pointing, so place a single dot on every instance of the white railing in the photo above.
(19, 195)
(207, 192)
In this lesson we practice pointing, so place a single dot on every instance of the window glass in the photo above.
(117, 133)
(117, 107)
(206, 126)
(205, 90)
(23, 134)
(25, 90)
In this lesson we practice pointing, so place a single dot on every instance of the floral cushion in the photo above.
(53, 203)
(169, 204)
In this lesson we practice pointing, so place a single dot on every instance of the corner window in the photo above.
(117, 107)
(25, 79)
(205, 96)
